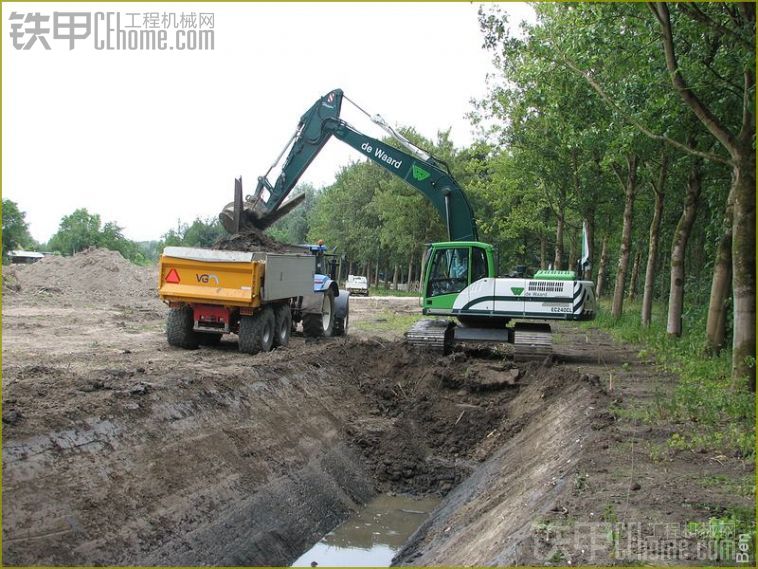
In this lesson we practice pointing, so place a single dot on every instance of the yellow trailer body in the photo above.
(232, 278)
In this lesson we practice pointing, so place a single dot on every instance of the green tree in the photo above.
(15, 229)
(80, 230)
(200, 233)
(76, 232)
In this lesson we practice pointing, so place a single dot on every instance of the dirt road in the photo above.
(120, 450)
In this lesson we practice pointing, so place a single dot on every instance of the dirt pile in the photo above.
(93, 273)
(252, 240)
(10, 281)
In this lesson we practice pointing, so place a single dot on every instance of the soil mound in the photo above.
(10, 281)
(93, 272)
(252, 240)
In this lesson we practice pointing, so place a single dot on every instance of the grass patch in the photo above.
(719, 417)
(743, 486)
(381, 291)
(387, 321)
(723, 531)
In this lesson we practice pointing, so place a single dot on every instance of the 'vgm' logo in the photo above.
(206, 278)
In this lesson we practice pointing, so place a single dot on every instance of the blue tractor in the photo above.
(327, 311)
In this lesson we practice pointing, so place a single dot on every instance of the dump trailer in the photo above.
(257, 295)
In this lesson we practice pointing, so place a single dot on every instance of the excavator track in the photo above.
(532, 340)
(432, 334)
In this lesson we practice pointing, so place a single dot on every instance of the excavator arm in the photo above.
(417, 168)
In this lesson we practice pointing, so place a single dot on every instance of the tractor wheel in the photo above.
(317, 325)
(256, 333)
(283, 325)
(179, 330)
(208, 339)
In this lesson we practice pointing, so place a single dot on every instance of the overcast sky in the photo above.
(145, 138)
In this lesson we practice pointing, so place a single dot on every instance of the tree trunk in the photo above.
(589, 222)
(743, 267)
(600, 287)
(394, 278)
(572, 256)
(659, 189)
(376, 274)
(679, 248)
(410, 271)
(630, 187)
(543, 251)
(558, 260)
(652, 256)
(635, 275)
(722, 277)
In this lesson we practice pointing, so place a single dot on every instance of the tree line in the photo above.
(639, 119)
(81, 230)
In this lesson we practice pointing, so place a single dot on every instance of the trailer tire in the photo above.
(283, 325)
(318, 325)
(256, 333)
(179, 328)
(340, 325)
(208, 339)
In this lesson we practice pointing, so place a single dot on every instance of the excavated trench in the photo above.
(189, 463)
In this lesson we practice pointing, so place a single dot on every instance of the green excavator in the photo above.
(459, 275)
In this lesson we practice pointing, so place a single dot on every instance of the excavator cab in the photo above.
(449, 268)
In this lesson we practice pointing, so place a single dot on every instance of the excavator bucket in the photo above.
(231, 216)
(240, 215)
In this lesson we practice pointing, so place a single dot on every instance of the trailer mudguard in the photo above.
(312, 303)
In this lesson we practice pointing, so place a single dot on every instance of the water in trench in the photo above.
(372, 536)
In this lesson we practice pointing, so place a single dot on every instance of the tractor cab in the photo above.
(326, 263)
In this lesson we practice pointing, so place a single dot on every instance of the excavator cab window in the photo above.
(478, 264)
(449, 272)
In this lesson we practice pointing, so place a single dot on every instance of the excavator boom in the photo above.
(322, 121)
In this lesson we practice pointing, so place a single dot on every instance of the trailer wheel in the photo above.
(208, 339)
(283, 325)
(256, 333)
(317, 325)
(340, 325)
(179, 332)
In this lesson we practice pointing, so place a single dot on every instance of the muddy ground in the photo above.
(120, 450)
